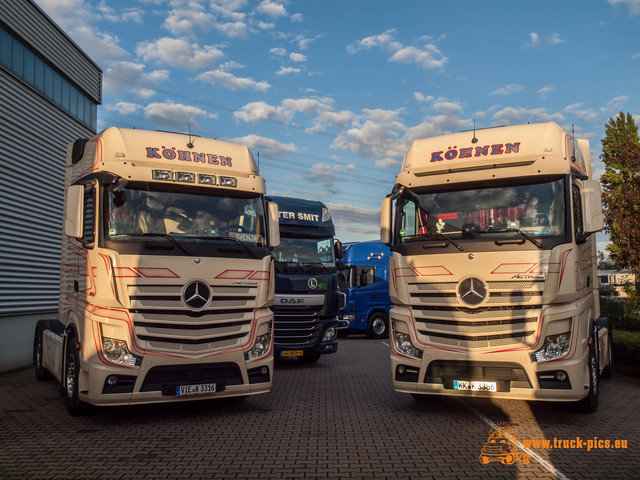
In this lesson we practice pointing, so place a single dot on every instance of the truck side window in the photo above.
(577, 213)
(366, 276)
(88, 215)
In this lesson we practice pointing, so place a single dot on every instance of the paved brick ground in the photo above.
(339, 418)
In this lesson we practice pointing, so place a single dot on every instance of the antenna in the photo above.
(190, 144)
(258, 159)
(474, 139)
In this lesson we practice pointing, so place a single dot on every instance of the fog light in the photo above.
(555, 346)
(401, 369)
(112, 380)
(561, 376)
(264, 370)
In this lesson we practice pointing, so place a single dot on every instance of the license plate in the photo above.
(196, 389)
(476, 386)
(291, 353)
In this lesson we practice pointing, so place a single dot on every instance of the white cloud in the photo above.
(422, 98)
(297, 57)
(175, 115)
(426, 55)
(231, 82)
(288, 70)
(179, 52)
(256, 111)
(508, 89)
(297, 17)
(68, 14)
(355, 223)
(632, 5)
(374, 134)
(131, 77)
(272, 9)
(124, 108)
(514, 116)
(544, 90)
(279, 51)
(539, 41)
(188, 19)
(447, 108)
(266, 146)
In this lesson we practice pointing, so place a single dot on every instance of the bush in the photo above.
(626, 351)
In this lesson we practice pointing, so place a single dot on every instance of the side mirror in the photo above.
(385, 221)
(274, 225)
(73, 211)
(337, 248)
(592, 206)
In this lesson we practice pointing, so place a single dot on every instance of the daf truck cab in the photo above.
(308, 297)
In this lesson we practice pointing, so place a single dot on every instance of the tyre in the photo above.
(41, 372)
(71, 378)
(312, 358)
(377, 326)
(589, 404)
(484, 460)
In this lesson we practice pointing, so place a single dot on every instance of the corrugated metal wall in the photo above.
(39, 31)
(33, 142)
(34, 134)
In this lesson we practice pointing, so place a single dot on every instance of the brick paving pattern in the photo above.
(338, 418)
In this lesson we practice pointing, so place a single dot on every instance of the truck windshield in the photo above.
(309, 255)
(133, 212)
(529, 213)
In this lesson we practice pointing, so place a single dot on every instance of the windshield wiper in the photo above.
(283, 265)
(317, 264)
(174, 242)
(514, 230)
(235, 240)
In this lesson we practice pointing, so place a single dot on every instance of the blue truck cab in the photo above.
(367, 288)
(308, 298)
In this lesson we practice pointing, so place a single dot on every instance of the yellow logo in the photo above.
(502, 446)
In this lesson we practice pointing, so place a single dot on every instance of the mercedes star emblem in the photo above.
(472, 291)
(196, 295)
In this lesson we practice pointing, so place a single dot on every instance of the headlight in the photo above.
(403, 345)
(260, 347)
(117, 351)
(347, 317)
(555, 346)
(330, 334)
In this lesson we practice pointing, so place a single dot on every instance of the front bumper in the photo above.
(156, 379)
(515, 378)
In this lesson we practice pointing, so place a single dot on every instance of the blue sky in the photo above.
(330, 94)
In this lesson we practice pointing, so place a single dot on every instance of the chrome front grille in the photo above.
(166, 323)
(509, 316)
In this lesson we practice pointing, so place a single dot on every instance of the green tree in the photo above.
(621, 191)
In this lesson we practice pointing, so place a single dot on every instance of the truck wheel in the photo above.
(310, 358)
(71, 378)
(589, 404)
(484, 460)
(41, 372)
(377, 326)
